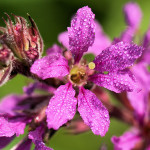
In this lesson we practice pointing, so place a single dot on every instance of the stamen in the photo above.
(91, 65)
(78, 75)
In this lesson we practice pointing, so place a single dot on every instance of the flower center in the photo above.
(78, 75)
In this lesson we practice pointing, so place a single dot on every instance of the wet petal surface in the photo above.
(93, 113)
(118, 82)
(117, 57)
(51, 66)
(62, 106)
(82, 32)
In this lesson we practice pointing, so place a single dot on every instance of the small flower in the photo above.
(114, 60)
(18, 111)
(138, 136)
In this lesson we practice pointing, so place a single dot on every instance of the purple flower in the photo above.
(11, 122)
(127, 141)
(18, 111)
(114, 60)
(140, 132)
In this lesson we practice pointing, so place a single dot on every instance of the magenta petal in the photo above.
(127, 35)
(51, 66)
(9, 103)
(117, 57)
(4, 141)
(127, 141)
(9, 127)
(36, 137)
(133, 14)
(139, 100)
(41, 146)
(92, 111)
(18, 125)
(5, 129)
(101, 41)
(53, 50)
(82, 32)
(62, 106)
(117, 82)
(36, 134)
(64, 39)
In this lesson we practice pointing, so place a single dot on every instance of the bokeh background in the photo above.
(53, 17)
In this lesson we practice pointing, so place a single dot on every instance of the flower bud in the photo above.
(6, 58)
(24, 40)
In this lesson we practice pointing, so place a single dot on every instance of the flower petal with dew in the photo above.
(127, 141)
(117, 57)
(62, 106)
(82, 32)
(92, 111)
(101, 40)
(118, 82)
(51, 66)
(11, 126)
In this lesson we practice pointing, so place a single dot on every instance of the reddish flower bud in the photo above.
(23, 40)
(6, 58)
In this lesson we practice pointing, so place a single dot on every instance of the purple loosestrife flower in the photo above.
(11, 122)
(18, 111)
(139, 135)
(114, 60)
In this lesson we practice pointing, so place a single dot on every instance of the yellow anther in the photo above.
(26, 47)
(91, 65)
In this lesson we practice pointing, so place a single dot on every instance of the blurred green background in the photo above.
(53, 17)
